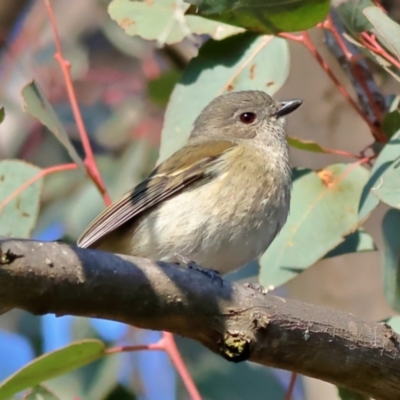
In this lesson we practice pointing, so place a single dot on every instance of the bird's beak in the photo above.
(286, 107)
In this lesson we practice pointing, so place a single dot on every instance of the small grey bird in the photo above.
(219, 201)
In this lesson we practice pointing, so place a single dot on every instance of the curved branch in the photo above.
(233, 320)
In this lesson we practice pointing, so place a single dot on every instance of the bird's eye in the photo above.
(247, 117)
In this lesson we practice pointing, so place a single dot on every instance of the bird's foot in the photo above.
(210, 273)
(257, 287)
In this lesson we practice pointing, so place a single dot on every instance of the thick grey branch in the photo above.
(233, 320)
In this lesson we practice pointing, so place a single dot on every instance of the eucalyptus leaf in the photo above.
(323, 212)
(357, 242)
(388, 31)
(106, 378)
(265, 16)
(391, 258)
(36, 104)
(52, 364)
(18, 216)
(385, 64)
(389, 153)
(307, 145)
(164, 21)
(243, 62)
(40, 392)
(391, 123)
(351, 14)
(387, 188)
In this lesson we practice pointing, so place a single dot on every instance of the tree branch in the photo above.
(233, 320)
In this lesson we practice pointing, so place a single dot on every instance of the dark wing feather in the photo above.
(173, 175)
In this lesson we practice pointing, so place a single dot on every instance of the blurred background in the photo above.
(123, 85)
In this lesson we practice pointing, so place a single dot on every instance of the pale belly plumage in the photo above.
(207, 230)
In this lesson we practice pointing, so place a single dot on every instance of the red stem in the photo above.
(167, 342)
(289, 392)
(369, 41)
(39, 175)
(329, 25)
(305, 39)
(65, 66)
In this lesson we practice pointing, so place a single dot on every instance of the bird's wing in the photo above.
(189, 166)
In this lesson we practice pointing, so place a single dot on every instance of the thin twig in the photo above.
(305, 39)
(369, 41)
(289, 392)
(167, 340)
(65, 65)
(31, 181)
(351, 60)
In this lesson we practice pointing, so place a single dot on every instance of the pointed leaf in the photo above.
(2, 114)
(388, 31)
(387, 188)
(391, 123)
(242, 62)
(36, 104)
(265, 16)
(385, 64)
(351, 14)
(391, 257)
(53, 364)
(357, 242)
(18, 216)
(307, 145)
(40, 392)
(323, 211)
(389, 153)
(164, 21)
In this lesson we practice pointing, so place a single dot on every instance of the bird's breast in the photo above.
(222, 224)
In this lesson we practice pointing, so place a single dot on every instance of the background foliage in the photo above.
(142, 71)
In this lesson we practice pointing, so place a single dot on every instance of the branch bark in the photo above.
(235, 321)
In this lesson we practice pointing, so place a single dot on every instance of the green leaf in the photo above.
(391, 257)
(106, 378)
(347, 394)
(357, 242)
(18, 216)
(265, 16)
(39, 392)
(308, 145)
(242, 62)
(2, 114)
(36, 104)
(160, 89)
(394, 323)
(219, 379)
(385, 64)
(387, 30)
(351, 14)
(391, 123)
(389, 153)
(52, 364)
(164, 21)
(387, 188)
(323, 211)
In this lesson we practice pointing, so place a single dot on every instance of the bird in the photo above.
(219, 201)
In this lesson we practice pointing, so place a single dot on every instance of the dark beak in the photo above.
(286, 107)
